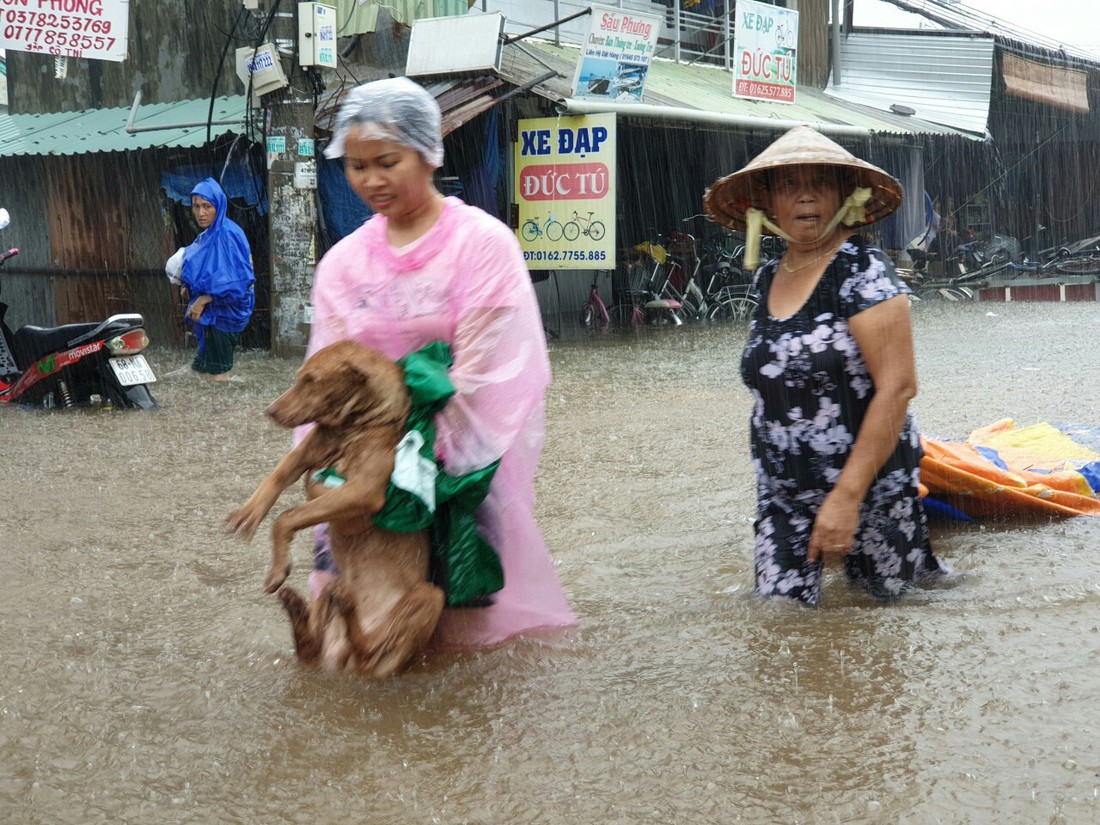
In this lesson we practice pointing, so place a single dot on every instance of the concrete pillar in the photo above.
(292, 222)
(292, 202)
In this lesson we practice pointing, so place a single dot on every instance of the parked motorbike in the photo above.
(74, 365)
(977, 259)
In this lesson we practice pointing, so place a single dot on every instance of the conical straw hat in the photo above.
(727, 198)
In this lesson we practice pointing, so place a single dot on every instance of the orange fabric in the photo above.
(958, 474)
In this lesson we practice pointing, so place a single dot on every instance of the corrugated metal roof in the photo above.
(460, 100)
(710, 90)
(104, 130)
(944, 78)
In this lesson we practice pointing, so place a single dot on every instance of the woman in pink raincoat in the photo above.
(427, 268)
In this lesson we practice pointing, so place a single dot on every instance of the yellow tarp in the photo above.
(960, 475)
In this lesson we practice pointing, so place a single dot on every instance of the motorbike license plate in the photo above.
(131, 370)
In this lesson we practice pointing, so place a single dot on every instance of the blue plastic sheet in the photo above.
(238, 180)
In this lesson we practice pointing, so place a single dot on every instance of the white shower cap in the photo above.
(394, 109)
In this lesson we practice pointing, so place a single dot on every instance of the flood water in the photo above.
(145, 676)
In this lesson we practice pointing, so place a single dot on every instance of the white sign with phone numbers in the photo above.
(96, 29)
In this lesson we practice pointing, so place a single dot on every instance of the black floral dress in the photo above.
(812, 388)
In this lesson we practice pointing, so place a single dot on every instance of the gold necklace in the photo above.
(788, 268)
(827, 256)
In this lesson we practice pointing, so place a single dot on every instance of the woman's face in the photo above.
(804, 199)
(391, 178)
(203, 210)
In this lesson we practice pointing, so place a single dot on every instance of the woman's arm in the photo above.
(197, 307)
(884, 334)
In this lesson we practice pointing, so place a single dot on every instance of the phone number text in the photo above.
(564, 255)
(47, 38)
(48, 20)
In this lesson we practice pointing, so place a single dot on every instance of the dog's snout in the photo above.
(277, 409)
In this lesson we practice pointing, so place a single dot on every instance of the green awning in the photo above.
(179, 124)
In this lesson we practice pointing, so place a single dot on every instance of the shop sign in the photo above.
(565, 191)
(615, 55)
(765, 51)
(97, 29)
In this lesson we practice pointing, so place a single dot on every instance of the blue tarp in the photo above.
(238, 180)
(341, 208)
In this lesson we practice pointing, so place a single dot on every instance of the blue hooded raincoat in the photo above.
(219, 264)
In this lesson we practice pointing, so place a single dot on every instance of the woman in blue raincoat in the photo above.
(219, 281)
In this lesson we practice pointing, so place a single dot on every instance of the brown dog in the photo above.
(382, 609)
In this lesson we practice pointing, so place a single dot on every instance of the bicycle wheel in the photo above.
(1079, 266)
(691, 308)
(572, 231)
(594, 315)
(738, 308)
(554, 231)
(588, 315)
(622, 315)
(530, 231)
(596, 231)
(955, 293)
(549, 296)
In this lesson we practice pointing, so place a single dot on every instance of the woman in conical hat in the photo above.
(830, 364)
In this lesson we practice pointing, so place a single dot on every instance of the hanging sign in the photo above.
(615, 55)
(95, 29)
(565, 192)
(765, 46)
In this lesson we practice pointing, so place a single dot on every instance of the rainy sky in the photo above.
(1072, 22)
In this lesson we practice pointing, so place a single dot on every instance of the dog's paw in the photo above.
(242, 523)
(275, 578)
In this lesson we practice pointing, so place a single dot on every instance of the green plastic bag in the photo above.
(422, 495)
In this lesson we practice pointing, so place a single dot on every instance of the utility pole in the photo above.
(291, 189)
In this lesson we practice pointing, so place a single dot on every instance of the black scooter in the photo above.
(75, 365)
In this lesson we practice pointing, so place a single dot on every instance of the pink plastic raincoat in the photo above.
(464, 283)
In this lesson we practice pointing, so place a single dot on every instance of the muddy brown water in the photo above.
(144, 676)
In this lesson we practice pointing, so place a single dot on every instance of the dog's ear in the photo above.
(382, 383)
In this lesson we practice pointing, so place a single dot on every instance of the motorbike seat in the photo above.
(34, 342)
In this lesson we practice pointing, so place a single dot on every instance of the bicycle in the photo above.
(922, 289)
(594, 308)
(726, 293)
(629, 289)
(592, 229)
(678, 287)
(733, 303)
(1079, 258)
(646, 304)
(552, 229)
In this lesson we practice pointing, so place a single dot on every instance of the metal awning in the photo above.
(674, 92)
(460, 99)
(704, 95)
(942, 78)
(104, 130)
